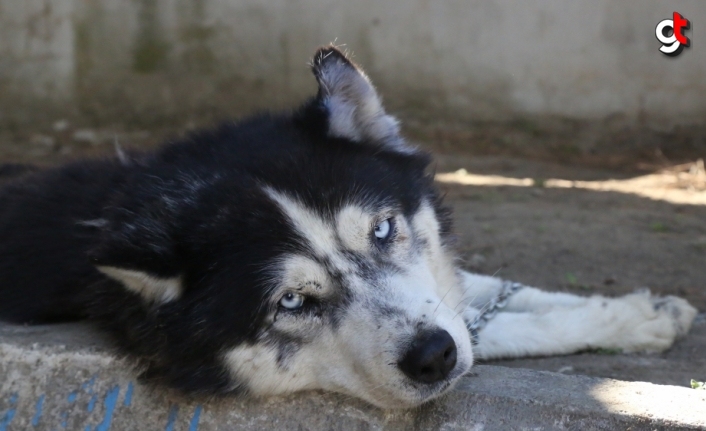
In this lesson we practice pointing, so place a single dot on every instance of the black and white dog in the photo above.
(288, 252)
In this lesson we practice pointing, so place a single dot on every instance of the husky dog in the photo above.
(308, 250)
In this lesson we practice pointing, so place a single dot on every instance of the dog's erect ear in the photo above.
(140, 255)
(353, 106)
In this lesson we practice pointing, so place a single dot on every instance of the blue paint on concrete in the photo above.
(128, 395)
(171, 420)
(89, 385)
(111, 398)
(64, 416)
(92, 403)
(38, 411)
(88, 428)
(194, 424)
(10, 414)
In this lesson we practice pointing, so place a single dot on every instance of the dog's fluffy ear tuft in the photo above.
(137, 250)
(353, 106)
(153, 289)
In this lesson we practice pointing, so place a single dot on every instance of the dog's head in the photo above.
(307, 251)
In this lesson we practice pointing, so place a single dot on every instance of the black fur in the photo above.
(194, 209)
(13, 170)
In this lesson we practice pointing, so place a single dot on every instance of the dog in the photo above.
(288, 252)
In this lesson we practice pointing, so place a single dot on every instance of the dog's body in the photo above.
(299, 251)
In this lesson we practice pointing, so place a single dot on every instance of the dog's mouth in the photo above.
(435, 390)
(421, 395)
(413, 393)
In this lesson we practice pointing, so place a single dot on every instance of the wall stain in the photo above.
(195, 36)
(150, 50)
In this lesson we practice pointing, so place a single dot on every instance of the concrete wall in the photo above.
(144, 62)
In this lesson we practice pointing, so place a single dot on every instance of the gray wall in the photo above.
(144, 62)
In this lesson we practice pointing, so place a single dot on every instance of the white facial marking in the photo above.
(440, 261)
(318, 234)
(353, 225)
(297, 269)
(415, 287)
(256, 366)
(151, 288)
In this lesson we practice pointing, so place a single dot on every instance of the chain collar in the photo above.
(491, 309)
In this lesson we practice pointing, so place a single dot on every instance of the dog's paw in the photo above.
(647, 323)
(680, 311)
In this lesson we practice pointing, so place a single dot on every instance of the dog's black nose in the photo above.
(431, 357)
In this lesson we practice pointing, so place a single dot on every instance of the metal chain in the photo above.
(491, 309)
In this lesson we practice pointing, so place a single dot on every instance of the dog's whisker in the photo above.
(481, 308)
(442, 299)
(477, 293)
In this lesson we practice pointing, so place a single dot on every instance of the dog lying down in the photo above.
(285, 252)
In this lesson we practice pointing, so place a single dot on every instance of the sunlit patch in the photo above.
(676, 186)
(623, 398)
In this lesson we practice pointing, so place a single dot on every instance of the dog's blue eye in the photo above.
(292, 301)
(382, 229)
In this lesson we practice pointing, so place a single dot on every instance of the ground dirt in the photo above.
(588, 242)
(598, 231)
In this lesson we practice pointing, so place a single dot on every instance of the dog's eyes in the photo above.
(292, 301)
(384, 229)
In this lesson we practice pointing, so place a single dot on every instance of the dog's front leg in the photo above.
(479, 290)
(537, 323)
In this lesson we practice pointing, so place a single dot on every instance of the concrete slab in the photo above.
(64, 377)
